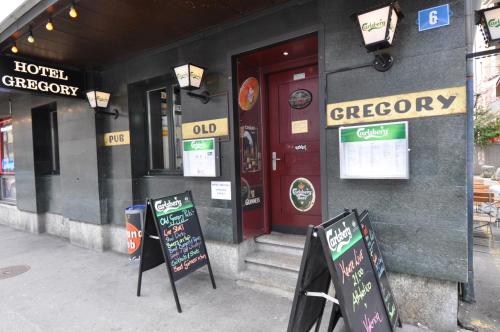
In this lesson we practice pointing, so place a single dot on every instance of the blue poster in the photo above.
(434, 17)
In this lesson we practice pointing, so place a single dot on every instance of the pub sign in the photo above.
(31, 76)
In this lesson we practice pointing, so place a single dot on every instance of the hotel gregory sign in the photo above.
(30, 76)
(405, 106)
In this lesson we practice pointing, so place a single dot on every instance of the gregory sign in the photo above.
(404, 106)
(31, 76)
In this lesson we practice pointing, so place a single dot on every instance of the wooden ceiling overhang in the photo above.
(106, 31)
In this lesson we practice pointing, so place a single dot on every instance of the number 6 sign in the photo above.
(434, 17)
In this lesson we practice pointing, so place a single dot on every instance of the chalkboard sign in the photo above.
(353, 276)
(171, 226)
(379, 267)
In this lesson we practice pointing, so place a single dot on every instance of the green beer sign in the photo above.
(494, 23)
(373, 26)
(199, 144)
(373, 133)
(302, 194)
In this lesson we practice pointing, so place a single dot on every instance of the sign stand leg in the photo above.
(143, 243)
(334, 318)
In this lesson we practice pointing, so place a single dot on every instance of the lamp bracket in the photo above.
(114, 112)
(204, 96)
(383, 62)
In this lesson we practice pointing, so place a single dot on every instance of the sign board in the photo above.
(173, 222)
(117, 138)
(374, 151)
(353, 276)
(202, 129)
(33, 76)
(336, 251)
(379, 267)
(493, 21)
(221, 190)
(434, 17)
(201, 158)
(398, 107)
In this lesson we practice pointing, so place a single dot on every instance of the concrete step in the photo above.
(281, 243)
(270, 281)
(274, 260)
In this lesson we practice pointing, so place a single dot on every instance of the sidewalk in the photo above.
(73, 289)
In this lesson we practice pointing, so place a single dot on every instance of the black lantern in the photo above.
(99, 101)
(489, 21)
(189, 77)
(378, 25)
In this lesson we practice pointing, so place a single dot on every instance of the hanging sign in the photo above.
(249, 93)
(398, 107)
(208, 128)
(32, 76)
(172, 235)
(302, 194)
(374, 151)
(117, 138)
(200, 158)
(434, 17)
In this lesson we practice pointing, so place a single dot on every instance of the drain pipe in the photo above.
(470, 7)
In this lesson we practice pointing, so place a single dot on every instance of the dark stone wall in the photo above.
(420, 222)
(211, 49)
(74, 193)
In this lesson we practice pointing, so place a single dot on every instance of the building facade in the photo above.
(282, 80)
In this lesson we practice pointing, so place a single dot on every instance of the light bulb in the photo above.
(31, 39)
(49, 26)
(14, 49)
(72, 11)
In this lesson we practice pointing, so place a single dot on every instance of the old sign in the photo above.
(37, 77)
(405, 106)
(117, 138)
(209, 128)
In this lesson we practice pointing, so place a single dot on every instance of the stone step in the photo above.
(281, 243)
(274, 260)
(270, 281)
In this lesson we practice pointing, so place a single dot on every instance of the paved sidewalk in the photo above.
(74, 289)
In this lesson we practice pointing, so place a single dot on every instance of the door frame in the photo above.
(232, 54)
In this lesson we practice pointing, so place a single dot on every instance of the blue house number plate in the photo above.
(434, 17)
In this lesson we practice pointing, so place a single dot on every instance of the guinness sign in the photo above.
(31, 76)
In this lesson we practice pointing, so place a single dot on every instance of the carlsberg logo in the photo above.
(162, 206)
(301, 194)
(372, 133)
(373, 26)
(494, 23)
(198, 145)
(337, 240)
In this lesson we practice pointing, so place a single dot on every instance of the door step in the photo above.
(274, 265)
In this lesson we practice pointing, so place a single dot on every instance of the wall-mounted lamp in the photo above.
(99, 101)
(189, 78)
(489, 21)
(378, 25)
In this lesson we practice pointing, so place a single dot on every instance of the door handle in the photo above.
(275, 159)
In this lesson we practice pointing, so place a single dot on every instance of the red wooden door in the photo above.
(294, 149)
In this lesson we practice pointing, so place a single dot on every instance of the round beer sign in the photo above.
(302, 194)
(300, 99)
(249, 93)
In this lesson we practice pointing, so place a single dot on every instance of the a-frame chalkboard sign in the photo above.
(359, 299)
(172, 235)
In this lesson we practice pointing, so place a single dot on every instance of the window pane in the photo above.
(164, 128)
(8, 186)
(7, 148)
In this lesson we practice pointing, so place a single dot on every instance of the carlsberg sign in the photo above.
(493, 21)
(382, 132)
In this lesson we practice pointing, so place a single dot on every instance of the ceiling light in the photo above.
(72, 11)
(31, 39)
(285, 53)
(14, 48)
(49, 26)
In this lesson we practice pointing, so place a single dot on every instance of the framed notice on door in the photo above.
(377, 151)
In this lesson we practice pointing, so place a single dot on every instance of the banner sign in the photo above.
(31, 76)
(374, 151)
(202, 129)
(172, 235)
(405, 106)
